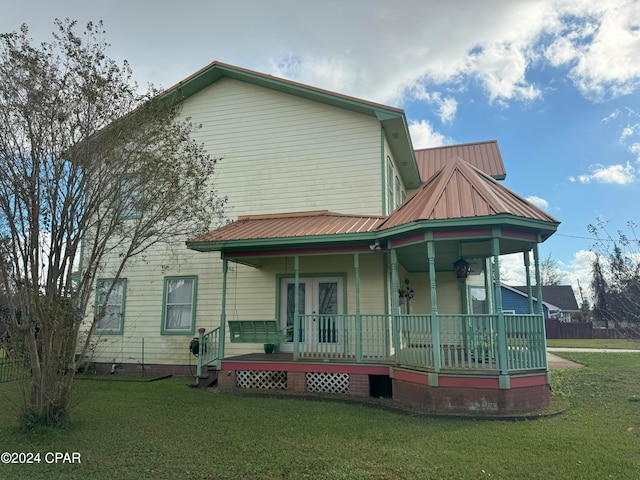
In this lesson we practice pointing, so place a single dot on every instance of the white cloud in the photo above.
(375, 49)
(629, 131)
(601, 43)
(612, 116)
(538, 202)
(614, 174)
(423, 135)
(447, 109)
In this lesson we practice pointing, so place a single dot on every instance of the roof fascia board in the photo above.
(215, 71)
(258, 243)
(492, 220)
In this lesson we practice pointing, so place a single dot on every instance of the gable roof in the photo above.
(485, 156)
(459, 190)
(392, 119)
(561, 296)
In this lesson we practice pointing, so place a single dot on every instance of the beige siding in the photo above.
(390, 181)
(283, 153)
(280, 153)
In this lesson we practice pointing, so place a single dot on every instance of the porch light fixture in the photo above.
(375, 247)
(462, 269)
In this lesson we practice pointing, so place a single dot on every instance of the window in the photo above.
(130, 194)
(399, 193)
(390, 175)
(179, 306)
(478, 299)
(113, 302)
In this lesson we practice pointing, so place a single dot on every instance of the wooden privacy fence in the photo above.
(557, 329)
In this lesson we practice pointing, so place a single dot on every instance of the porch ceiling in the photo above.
(414, 257)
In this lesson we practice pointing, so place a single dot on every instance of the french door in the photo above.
(320, 304)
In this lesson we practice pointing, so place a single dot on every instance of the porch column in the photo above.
(502, 331)
(435, 323)
(296, 302)
(223, 313)
(536, 261)
(488, 284)
(527, 266)
(542, 333)
(395, 307)
(356, 266)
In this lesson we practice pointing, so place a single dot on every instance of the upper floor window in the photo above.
(390, 186)
(110, 296)
(399, 193)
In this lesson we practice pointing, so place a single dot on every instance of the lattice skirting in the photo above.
(327, 382)
(261, 379)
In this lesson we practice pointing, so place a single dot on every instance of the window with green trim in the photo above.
(110, 300)
(179, 305)
(390, 175)
(399, 194)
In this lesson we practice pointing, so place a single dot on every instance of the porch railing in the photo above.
(208, 349)
(464, 342)
(364, 337)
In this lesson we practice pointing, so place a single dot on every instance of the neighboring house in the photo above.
(341, 254)
(559, 301)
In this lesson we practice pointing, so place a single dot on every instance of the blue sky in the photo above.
(556, 82)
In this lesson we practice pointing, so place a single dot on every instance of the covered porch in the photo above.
(410, 316)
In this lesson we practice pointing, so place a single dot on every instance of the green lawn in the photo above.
(164, 430)
(594, 343)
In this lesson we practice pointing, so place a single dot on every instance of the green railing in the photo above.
(526, 344)
(337, 337)
(208, 348)
(471, 342)
(464, 342)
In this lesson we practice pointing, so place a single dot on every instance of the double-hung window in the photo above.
(179, 305)
(110, 299)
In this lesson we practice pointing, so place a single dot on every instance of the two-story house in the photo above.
(348, 255)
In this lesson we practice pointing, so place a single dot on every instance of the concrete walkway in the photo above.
(555, 361)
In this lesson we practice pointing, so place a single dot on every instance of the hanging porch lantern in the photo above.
(462, 269)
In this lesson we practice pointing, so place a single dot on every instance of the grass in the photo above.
(594, 343)
(165, 430)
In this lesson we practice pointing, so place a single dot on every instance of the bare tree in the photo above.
(91, 169)
(616, 275)
(550, 274)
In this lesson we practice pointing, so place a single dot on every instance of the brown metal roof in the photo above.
(485, 156)
(291, 225)
(460, 190)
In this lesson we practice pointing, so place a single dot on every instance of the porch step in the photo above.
(208, 378)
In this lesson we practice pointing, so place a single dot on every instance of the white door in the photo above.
(320, 301)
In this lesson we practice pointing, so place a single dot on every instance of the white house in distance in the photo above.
(348, 255)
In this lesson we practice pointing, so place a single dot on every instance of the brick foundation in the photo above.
(469, 400)
(427, 392)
